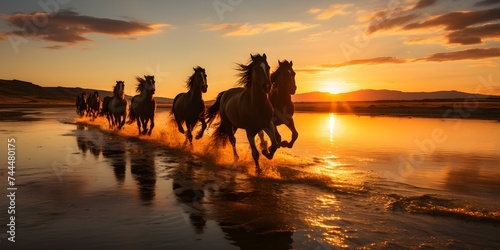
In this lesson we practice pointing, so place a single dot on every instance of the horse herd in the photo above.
(260, 103)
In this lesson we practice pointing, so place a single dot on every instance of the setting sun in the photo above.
(334, 87)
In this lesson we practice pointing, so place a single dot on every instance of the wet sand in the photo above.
(83, 186)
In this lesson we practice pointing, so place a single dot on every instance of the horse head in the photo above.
(149, 84)
(119, 89)
(199, 78)
(284, 77)
(257, 73)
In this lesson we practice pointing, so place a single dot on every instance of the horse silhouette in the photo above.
(143, 106)
(247, 108)
(189, 107)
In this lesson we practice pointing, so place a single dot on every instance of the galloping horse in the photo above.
(284, 87)
(248, 108)
(189, 107)
(105, 110)
(94, 105)
(81, 104)
(118, 105)
(143, 106)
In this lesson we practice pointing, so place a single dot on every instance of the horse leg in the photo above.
(189, 132)
(179, 125)
(295, 135)
(232, 140)
(270, 131)
(203, 127)
(263, 142)
(255, 152)
(152, 125)
(145, 125)
(138, 121)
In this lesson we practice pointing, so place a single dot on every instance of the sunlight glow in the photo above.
(332, 126)
(334, 87)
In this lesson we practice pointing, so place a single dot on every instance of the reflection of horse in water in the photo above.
(93, 105)
(248, 108)
(143, 106)
(144, 172)
(236, 204)
(189, 107)
(284, 87)
(81, 104)
(118, 105)
(88, 140)
(114, 149)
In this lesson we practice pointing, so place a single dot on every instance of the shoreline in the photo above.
(443, 109)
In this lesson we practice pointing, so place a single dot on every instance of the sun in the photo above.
(334, 87)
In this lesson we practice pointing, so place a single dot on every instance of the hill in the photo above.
(21, 92)
(368, 95)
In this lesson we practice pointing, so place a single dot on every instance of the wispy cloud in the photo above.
(246, 29)
(331, 11)
(458, 20)
(424, 4)
(474, 35)
(469, 54)
(487, 2)
(390, 23)
(70, 27)
(369, 61)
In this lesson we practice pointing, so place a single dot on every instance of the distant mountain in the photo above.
(19, 92)
(385, 95)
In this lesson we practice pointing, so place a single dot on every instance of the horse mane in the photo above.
(190, 80)
(140, 84)
(246, 71)
(277, 72)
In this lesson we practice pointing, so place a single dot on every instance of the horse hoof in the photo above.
(267, 154)
(285, 144)
(258, 171)
(198, 137)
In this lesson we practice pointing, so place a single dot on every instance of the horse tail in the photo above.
(221, 134)
(132, 116)
(213, 110)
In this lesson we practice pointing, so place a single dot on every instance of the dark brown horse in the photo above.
(81, 104)
(105, 110)
(118, 105)
(189, 107)
(143, 106)
(94, 105)
(284, 87)
(247, 108)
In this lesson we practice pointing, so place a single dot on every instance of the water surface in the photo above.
(349, 182)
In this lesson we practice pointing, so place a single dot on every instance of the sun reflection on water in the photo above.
(332, 126)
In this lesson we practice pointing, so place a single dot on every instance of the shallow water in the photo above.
(349, 182)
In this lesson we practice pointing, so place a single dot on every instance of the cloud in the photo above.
(474, 35)
(70, 27)
(246, 29)
(424, 3)
(469, 54)
(370, 61)
(331, 11)
(487, 3)
(458, 20)
(378, 24)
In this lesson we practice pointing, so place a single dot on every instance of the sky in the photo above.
(335, 46)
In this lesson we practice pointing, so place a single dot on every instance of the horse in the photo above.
(105, 110)
(118, 105)
(189, 107)
(246, 107)
(81, 104)
(143, 106)
(94, 105)
(283, 88)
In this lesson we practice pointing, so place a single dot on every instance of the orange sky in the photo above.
(336, 46)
